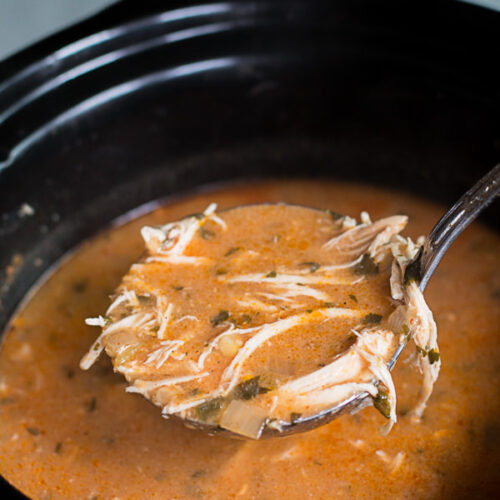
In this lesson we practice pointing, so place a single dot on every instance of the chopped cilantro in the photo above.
(381, 402)
(334, 215)
(219, 318)
(433, 356)
(366, 266)
(209, 408)
(247, 389)
(231, 251)
(206, 234)
(412, 271)
(91, 406)
(372, 319)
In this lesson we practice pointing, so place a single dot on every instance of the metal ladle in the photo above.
(444, 233)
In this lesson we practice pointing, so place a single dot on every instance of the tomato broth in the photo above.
(67, 433)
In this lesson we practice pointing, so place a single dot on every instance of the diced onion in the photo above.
(244, 419)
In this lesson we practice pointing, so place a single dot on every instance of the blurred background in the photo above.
(23, 22)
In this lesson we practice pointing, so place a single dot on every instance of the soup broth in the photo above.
(65, 433)
(264, 315)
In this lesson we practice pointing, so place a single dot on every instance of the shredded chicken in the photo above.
(231, 375)
(417, 318)
(198, 364)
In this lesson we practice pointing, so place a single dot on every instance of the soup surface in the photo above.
(65, 433)
(264, 315)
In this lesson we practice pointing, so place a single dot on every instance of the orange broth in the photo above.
(65, 433)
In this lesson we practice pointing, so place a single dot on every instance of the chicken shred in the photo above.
(150, 340)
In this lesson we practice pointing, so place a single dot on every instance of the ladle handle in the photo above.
(455, 220)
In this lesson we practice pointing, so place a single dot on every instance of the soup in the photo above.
(264, 316)
(65, 433)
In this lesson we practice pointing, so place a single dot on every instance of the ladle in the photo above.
(444, 233)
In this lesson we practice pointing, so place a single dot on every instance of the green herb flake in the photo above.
(144, 299)
(206, 234)
(433, 356)
(7, 401)
(366, 266)
(381, 403)
(231, 251)
(313, 266)
(91, 406)
(209, 408)
(413, 271)
(33, 431)
(372, 319)
(334, 215)
(244, 319)
(271, 274)
(247, 389)
(353, 297)
(222, 316)
(328, 304)
(405, 330)
(294, 417)
(58, 448)
(198, 473)
(421, 351)
(220, 272)
(177, 288)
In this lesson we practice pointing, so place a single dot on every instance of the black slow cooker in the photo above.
(150, 100)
